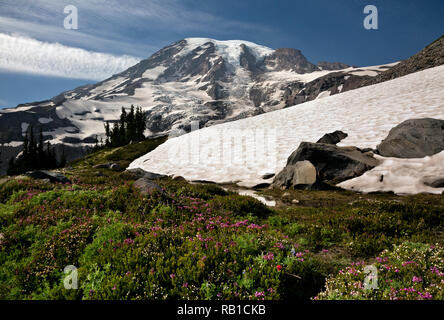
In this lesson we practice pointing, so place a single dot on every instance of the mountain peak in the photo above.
(194, 79)
(229, 50)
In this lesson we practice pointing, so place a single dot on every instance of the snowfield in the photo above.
(403, 176)
(243, 151)
(230, 50)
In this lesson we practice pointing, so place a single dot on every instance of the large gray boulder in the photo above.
(333, 164)
(147, 186)
(48, 175)
(300, 174)
(415, 138)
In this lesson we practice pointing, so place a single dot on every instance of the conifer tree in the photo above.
(62, 163)
(33, 156)
(130, 127)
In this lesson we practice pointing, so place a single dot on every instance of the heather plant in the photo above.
(199, 241)
(410, 271)
(241, 205)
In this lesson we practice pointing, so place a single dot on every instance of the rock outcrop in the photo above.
(324, 65)
(140, 173)
(147, 186)
(333, 138)
(434, 182)
(430, 57)
(332, 165)
(416, 138)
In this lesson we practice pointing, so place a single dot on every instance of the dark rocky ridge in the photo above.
(324, 65)
(289, 59)
(430, 57)
(337, 82)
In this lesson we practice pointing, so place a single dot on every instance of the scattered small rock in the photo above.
(261, 186)
(112, 166)
(434, 182)
(286, 194)
(268, 176)
(115, 167)
(333, 138)
(366, 150)
(295, 201)
(102, 166)
(53, 177)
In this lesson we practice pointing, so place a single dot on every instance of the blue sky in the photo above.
(39, 58)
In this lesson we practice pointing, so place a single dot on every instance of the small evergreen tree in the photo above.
(130, 127)
(140, 123)
(108, 134)
(33, 156)
(62, 162)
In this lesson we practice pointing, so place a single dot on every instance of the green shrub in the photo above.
(410, 271)
(240, 205)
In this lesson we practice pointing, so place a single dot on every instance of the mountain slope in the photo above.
(195, 79)
(245, 150)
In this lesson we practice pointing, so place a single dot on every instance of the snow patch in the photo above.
(45, 120)
(229, 50)
(153, 74)
(323, 94)
(25, 127)
(366, 114)
(401, 176)
(251, 193)
(13, 144)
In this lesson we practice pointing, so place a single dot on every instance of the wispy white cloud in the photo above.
(143, 25)
(25, 55)
(33, 39)
(74, 38)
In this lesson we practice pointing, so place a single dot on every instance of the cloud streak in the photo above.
(21, 54)
(143, 25)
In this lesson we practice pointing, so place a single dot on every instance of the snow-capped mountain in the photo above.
(248, 150)
(195, 79)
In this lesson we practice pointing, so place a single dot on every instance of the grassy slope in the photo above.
(191, 241)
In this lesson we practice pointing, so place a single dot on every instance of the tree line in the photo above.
(36, 155)
(130, 128)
